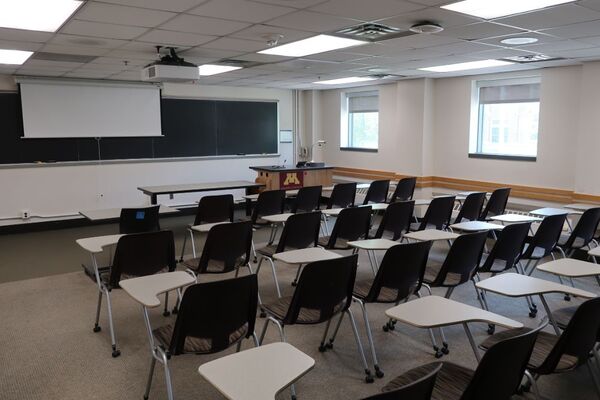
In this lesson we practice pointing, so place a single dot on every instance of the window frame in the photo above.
(346, 142)
(476, 130)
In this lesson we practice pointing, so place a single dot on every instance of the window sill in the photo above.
(502, 157)
(360, 149)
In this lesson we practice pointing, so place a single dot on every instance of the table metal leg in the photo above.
(153, 199)
(549, 314)
(472, 341)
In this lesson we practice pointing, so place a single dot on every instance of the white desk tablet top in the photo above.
(96, 244)
(305, 256)
(373, 244)
(258, 373)
(378, 206)
(513, 218)
(517, 285)
(145, 289)
(422, 202)
(203, 228)
(581, 206)
(333, 212)
(431, 234)
(595, 252)
(111, 213)
(549, 211)
(570, 267)
(277, 218)
(476, 226)
(434, 311)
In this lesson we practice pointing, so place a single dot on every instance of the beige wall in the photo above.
(424, 130)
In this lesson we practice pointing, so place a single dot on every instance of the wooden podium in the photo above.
(281, 177)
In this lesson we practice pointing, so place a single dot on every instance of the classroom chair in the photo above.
(377, 192)
(308, 199)
(471, 208)
(437, 216)
(496, 205)
(138, 220)
(396, 220)
(405, 189)
(351, 224)
(420, 389)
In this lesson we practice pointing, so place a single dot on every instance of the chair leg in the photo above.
(263, 332)
(295, 282)
(594, 377)
(150, 375)
(368, 377)
(253, 250)
(378, 371)
(193, 243)
(183, 247)
(337, 328)
(255, 338)
(113, 340)
(322, 347)
(166, 312)
(96, 326)
(168, 378)
(275, 277)
(238, 347)
(534, 385)
(438, 351)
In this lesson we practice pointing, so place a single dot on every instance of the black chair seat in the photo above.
(538, 252)
(213, 267)
(577, 243)
(563, 316)
(386, 295)
(416, 225)
(164, 334)
(280, 308)
(451, 381)
(433, 270)
(544, 344)
(268, 250)
(340, 244)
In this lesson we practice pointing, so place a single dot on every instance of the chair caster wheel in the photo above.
(294, 283)
(369, 378)
(445, 351)
(329, 345)
(567, 297)
(491, 329)
(322, 348)
(438, 354)
(166, 313)
(532, 314)
(263, 314)
(294, 397)
(116, 353)
(379, 373)
(386, 328)
(255, 260)
(97, 329)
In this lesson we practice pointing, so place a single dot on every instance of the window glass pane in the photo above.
(363, 129)
(509, 128)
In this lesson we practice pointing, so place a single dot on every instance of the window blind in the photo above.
(520, 93)
(363, 102)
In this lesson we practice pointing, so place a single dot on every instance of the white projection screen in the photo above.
(71, 109)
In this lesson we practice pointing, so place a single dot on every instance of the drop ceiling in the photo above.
(120, 36)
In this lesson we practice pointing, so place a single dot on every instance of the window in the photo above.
(362, 129)
(507, 113)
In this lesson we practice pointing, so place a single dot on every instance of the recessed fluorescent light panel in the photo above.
(489, 9)
(36, 15)
(14, 57)
(313, 45)
(341, 81)
(212, 69)
(467, 65)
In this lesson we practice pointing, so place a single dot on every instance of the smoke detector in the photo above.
(426, 27)
(272, 39)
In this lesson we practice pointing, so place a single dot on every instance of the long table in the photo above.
(113, 213)
(155, 191)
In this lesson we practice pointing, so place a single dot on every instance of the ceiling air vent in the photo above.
(531, 58)
(373, 32)
(58, 57)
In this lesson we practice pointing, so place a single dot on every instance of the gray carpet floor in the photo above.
(48, 350)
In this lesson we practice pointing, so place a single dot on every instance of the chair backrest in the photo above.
(405, 189)
(496, 204)
(213, 209)
(324, 289)
(507, 248)
(462, 260)
(501, 369)
(226, 246)
(396, 219)
(351, 224)
(438, 213)
(269, 202)
(219, 313)
(300, 231)
(307, 200)
(578, 338)
(138, 220)
(401, 271)
(471, 208)
(378, 192)
(342, 195)
(547, 236)
(421, 389)
(585, 230)
(140, 254)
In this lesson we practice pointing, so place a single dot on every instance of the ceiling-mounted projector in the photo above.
(170, 68)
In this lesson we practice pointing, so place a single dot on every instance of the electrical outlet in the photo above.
(25, 214)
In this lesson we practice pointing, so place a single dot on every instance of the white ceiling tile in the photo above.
(127, 76)
(85, 51)
(313, 22)
(481, 30)
(595, 40)
(575, 31)
(365, 10)
(129, 54)
(214, 54)
(172, 38)
(335, 56)
(551, 17)
(118, 61)
(263, 32)
(19, 35)
(27, 46)
(114, 14)
(591, 4)
(498, 53)
(461, 47)
(86, 41)
(240, 10)
(203, 25)
(292, 3)
(39, 72)
(418, 41)
(241, 45)
(549, 48)
(98, 29)
(593, 52)
(437, 15)
(168, 5)
(63, 65)
(88, 74)
(99, 67)
(261, 58)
